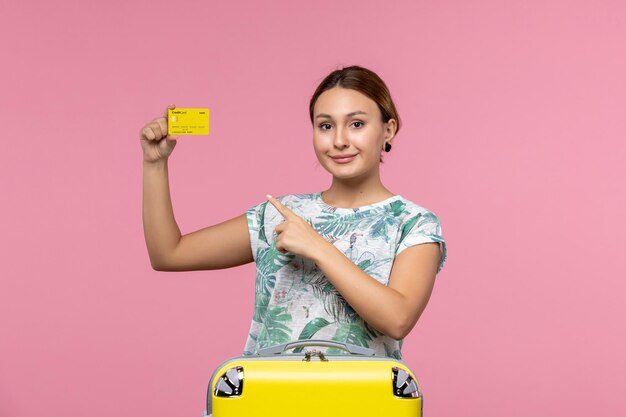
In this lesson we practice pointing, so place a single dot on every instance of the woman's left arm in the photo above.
(392, 309)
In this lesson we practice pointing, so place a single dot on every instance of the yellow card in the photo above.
(189, 121)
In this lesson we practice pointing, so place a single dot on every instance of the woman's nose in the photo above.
(341, 140)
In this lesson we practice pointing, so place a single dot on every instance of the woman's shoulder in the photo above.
(409, 208)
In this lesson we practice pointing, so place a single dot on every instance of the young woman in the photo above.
(355, 263)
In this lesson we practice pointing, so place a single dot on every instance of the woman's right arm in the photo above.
(220, 246)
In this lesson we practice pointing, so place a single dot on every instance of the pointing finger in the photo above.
(282, 209)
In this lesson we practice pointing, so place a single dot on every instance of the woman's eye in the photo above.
(359, 125)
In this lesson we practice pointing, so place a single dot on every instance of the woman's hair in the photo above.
(364, 81)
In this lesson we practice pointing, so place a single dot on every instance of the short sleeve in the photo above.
(255, 217)
(422, 228)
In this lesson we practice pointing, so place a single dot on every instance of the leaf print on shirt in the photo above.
(261, 302)
(297, 201)
(273, 330)
(261, 221)
(428, 219)
(427, 224)
(269, 261)
(355, 333)
(334, 303)
(392, 353)
(406, 227)
(337, 226)
(310, 329)
(380, 228)
(397, 207)
(373, 267)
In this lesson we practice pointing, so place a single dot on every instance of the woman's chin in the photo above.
(345, 174)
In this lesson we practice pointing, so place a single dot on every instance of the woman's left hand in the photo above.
(295, 234)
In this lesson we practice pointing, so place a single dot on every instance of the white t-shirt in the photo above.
(294, 300)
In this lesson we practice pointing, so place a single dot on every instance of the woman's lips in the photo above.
(343, 160)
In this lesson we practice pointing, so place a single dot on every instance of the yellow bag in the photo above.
(313, 384)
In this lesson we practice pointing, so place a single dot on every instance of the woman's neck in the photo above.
(342, 194)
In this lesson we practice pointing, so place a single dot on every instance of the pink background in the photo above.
(514, 124)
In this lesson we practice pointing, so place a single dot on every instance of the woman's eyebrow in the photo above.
(347, 115)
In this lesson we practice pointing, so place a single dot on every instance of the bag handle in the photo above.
(277, 349)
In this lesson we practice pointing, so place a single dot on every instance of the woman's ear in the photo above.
(390, 129)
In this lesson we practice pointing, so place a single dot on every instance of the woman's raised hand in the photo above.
(155, 142)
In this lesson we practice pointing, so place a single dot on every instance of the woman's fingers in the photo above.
(156, 128)
(147, 133)
(162, 122)
(280, 207)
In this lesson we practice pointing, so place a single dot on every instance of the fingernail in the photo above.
(268, 196)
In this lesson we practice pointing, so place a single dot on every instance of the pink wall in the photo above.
(514, 123)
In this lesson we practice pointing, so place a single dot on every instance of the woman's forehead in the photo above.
(339, 101)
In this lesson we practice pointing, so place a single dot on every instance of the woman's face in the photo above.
(348, 123)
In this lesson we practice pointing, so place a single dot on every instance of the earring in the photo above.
(387, 147)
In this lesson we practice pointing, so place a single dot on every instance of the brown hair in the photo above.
(364, 81)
